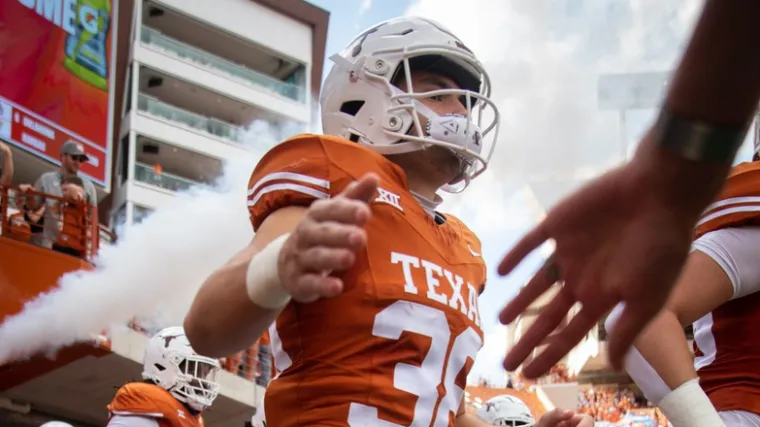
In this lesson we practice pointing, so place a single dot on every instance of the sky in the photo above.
(544, 58)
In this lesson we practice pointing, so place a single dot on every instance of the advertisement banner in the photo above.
(55, 78)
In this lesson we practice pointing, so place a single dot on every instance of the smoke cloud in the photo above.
(154, 270)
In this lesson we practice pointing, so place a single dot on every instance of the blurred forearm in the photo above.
(718, 80)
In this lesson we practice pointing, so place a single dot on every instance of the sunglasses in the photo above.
(79, 158)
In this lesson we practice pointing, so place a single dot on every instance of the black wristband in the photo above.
(697, 141)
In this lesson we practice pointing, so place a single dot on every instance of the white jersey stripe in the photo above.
(728, 211)
(290, 176)
(288, 186)
(732, 201)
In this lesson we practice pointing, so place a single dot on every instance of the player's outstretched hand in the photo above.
(564, 418)
(326, 241)
(615, 242)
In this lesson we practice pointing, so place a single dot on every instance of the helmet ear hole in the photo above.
(351, 107)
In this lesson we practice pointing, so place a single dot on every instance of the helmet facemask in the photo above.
(462, 134)
(390, 120)
(196, 385)
(172, 364)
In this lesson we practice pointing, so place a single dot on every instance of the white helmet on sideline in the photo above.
(361, 103)
(506, 410)
(171, 363)
(56, 424)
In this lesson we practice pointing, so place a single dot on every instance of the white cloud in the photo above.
(544, 58)
(364, 7)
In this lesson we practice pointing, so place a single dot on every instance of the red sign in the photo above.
(55, 78)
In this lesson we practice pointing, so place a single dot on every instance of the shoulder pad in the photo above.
(738, 203)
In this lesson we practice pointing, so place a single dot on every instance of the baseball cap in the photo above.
(73, 148)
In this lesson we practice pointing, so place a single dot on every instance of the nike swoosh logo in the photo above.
(472, 251)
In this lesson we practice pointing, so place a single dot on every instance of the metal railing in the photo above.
(53, 222)
(214, 127)
(82, 233)
(165, 180)
(241, 73)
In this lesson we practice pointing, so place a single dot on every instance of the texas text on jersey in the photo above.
(151, 401)
(396, 346)
(725, 341)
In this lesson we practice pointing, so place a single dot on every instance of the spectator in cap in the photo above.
(72, 157)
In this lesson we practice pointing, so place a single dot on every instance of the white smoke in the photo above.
(152, 273)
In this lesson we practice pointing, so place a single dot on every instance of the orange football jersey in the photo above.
(396, 346)
(725, 341)
(152, 401)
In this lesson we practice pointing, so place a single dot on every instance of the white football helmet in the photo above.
(56, 424)
(506, 410)
(171, 363)
(361, 103)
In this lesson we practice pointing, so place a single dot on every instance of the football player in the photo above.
(178, 386)
(374, 291)
(717, 293)
(506, 410)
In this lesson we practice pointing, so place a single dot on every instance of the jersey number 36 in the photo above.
(423, 381)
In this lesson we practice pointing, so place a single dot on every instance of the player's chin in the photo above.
(447, 163)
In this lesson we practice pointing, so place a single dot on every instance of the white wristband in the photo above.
(689, 406)
(262, 280)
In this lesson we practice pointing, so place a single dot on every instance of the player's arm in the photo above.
(223, 319)
(721, 267)
(305, 228)
(703, 287)
(132, 421)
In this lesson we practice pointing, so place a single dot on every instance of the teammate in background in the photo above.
(506, 410)
(373, 290)
(718, 294)
(626, 235)
(179, 385)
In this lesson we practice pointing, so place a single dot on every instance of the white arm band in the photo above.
(262, 280)
(689, 406)
(735, 251)
(640, 371)
(132, 421)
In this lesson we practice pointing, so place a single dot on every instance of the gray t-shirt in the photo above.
(50, 183)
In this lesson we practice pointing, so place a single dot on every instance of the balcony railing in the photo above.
(62, 224)
(240, 73)
(167, 181)
(214, 127)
